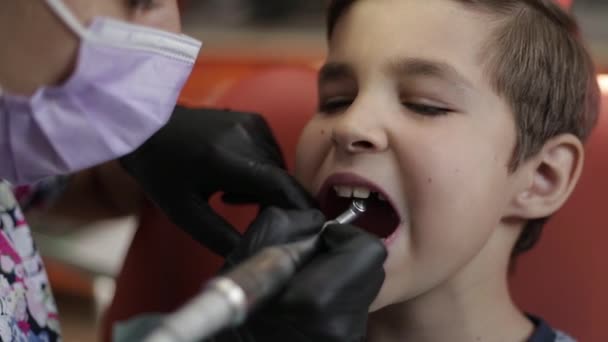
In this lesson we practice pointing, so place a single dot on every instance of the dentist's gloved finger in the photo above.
(266, 146)
(267, 185)
(350, 267)
(276, 226)
(197, 218)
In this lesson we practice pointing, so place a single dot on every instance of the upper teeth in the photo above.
(354, 191)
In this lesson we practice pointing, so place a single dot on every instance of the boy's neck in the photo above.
(475, 305)
(438, 320)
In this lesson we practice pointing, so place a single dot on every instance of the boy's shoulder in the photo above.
(544, 333)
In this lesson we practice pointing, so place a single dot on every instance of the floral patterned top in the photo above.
(27, 308)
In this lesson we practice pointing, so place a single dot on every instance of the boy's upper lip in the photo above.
(354, 179)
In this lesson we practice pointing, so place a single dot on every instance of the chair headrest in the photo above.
(285, 95)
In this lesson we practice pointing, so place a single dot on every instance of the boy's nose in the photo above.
(355, 136)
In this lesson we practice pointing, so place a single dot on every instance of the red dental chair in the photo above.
(562, 279)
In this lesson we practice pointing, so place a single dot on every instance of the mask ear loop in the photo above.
(67, 16)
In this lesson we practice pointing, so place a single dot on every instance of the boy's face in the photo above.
(407, 111)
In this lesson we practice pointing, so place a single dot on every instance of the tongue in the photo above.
(379, 219)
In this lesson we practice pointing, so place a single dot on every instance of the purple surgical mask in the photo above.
(124, 88)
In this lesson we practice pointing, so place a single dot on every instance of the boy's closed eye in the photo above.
(335, 104)
(142, 4)
(425, 109)
(338, 104)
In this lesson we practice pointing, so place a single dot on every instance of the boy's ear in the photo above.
(548, 178)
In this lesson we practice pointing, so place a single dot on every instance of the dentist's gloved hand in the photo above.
(203, 151)
(328, 299)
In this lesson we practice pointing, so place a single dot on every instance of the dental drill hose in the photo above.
(228, 299)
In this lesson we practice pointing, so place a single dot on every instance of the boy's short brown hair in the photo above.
(536, 61)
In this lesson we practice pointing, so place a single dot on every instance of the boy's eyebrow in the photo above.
(411, 67)
(333, 71)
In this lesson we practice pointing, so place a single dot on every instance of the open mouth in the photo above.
(336, 195)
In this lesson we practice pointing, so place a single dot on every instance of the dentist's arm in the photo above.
(103, 192)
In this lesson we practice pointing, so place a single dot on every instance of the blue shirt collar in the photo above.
(542, 332)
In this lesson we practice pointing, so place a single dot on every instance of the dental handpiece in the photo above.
(227, 300)
(357, 207)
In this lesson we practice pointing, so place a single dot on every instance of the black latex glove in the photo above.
(203, 151)
(328, 299)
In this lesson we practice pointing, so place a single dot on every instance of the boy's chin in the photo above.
(379, 303)
(386, 298)
(374, 307)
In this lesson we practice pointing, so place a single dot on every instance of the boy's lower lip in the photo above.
(389, 240)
